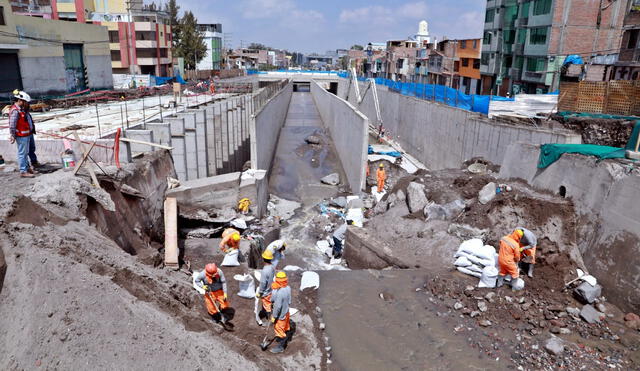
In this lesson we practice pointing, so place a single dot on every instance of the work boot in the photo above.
(500, 281)
(530, 271)
(279, 348)
(27, 175)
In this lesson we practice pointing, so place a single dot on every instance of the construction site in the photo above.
(101, 251)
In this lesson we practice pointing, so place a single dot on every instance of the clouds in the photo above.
(382, 15)
(261, 9)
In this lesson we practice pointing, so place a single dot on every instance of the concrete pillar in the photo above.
(225, 138)
(201, 141)
(189, 119)
(143, 135)
(176, 125)
(178, 143)
(191, 154)
(217, 127)
(211, 139)
(161, 132)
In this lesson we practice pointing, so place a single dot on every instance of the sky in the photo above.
(321, 25)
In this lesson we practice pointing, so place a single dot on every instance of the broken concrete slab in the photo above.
(487, 193)
(331, 179)
(554, 345)
(281, 208)
(590, 314)
(466, 232)
(588, 293)
(416, 198)
(339, 202)
(212, 199)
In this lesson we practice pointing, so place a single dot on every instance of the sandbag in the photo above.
(482, 262)
(517, 284)
(475, 247)
(489, 277)
(199, 289)
(231, 259)
(462, 262)
(469, 272)
(474, 268)
(247, 286)
(309, 279)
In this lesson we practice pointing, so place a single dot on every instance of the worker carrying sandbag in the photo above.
(511, 248)
(281, 297)
(381, 175)
(276, 249)
(230, 240)
(212, 281)
(264, 289)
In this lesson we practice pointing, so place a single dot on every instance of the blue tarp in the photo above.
(573, 59)
(166, 80)
(388, 153)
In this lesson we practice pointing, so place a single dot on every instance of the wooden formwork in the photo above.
(610, 97)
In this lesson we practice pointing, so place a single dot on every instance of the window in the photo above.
(465, 62)
(476, 64)
(113, 37)
(489, 16)
(456, 66)
(463, 44)
(2, 16)
(535, 64)
(484, 59)
(522, 36)
(524, 12)
(541, 7)
(475, 44)
(509, 36)
(115, 55)
(633, 39)
(538, 36)
(519, 63)
(487, 38)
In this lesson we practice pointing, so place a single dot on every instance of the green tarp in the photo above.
(550, 153)
(631, 144)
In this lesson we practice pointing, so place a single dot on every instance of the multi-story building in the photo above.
(139, 39)
(400, 59)
(628, 65)
(454, 63)
(51, 57)
(212, 34)
(525, 42)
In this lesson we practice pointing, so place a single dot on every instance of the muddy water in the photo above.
(298, 166)
(402, 331)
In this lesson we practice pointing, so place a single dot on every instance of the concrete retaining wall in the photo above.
(49, 150)
(265, 128)
(349, 131)
(443, 137)
(605, 195)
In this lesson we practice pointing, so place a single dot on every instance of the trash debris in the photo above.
(172, 183)
(309, 279)
(281, 208)
(339, 202)
(357, 216)
(199, 289)
(291, 268)
(477, 168)
(313, 139)
(239, 223)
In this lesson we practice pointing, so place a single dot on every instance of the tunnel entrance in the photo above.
(302, 87)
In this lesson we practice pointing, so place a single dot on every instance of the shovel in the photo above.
(265, 344)
(227, 326)
(583, 276)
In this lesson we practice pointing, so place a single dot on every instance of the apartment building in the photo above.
(628, 64)
(400, 59)
(525, 42)
(51, 57)
(212, 34)
(139, 38)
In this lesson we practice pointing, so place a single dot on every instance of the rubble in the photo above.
(331, 179)
(590, 314)
(415, 197)
(588, 293)
(487, 193)
(554, 345)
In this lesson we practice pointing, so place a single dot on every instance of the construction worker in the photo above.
(281, 298)
(264, 289)
(277, 248)
(338, 236)
(511, 248)
(230, 240)
(528, 243)
(215, 286)
(381, 175)
(22, 131)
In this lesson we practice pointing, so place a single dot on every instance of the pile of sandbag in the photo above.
(479, 260)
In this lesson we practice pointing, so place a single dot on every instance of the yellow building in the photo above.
(140, 39)
(51, 57)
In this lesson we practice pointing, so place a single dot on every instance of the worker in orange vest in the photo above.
(230, 240)
(512, 248)
(281, 300)
(381, 175)
(212, 281)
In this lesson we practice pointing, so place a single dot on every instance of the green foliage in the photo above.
(189, 43)
(357, 47)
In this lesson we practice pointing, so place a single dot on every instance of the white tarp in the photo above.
(525, 105)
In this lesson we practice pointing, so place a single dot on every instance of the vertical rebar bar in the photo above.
(160, 106)
(98, 118)
(144, 116)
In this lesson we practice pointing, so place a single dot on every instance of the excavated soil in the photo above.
(604, 132)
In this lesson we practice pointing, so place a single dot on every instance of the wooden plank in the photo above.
(85, 154)
(171, 233)
(122, 139)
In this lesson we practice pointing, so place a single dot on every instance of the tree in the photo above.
(172, 8)
(190, 43)
(151, 7)
(258, 46)
(357, 47)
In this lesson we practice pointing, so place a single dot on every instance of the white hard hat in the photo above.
(18, 94)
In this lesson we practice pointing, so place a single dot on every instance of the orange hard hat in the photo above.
(236, 237)
(211, 269)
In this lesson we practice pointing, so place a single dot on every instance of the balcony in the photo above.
(145, 26)
(114, 46)
(518, 48)
(146, 44)
(523, 22)
(538, 77)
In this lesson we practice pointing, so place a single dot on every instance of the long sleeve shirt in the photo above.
(219, 283)
(281, 300)
(340, 232)
(275, 247)
(266, 279)
(529, 239)
(14, 115)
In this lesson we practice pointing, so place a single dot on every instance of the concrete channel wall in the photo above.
(349, 131)
(265, 128)
(605, 195)
(443, 137)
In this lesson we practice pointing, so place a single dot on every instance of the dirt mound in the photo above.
(28, 212)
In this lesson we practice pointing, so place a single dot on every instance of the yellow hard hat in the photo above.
(381, 165)
(520, 232)
(267, 254)
(236, 237)
(281, 274)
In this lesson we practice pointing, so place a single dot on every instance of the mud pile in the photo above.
(73, 296)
